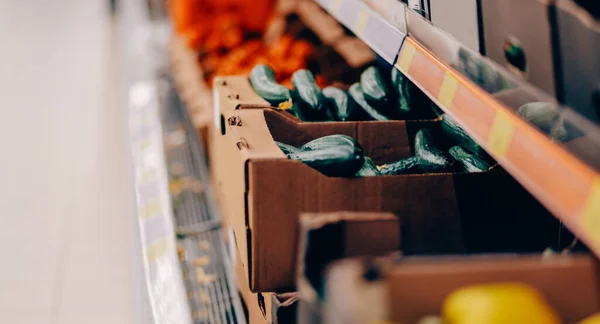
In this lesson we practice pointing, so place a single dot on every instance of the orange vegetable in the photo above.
(195, 37)
(184, 13)
(301, 48)
(232, 38)
(321, 82)
(281, 48)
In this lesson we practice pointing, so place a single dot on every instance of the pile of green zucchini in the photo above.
(373, 98)
(342, 156)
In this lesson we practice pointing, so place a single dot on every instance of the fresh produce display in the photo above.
(372, 98)
(497, 303)
(309, 102)
(374, 88)
(457, 134)
(405, 166)
(469, 162)
(428, 158)
(341, 107)
(369, 112)
(369, 169)
(263, 81)
(342, 159)
(431, 158)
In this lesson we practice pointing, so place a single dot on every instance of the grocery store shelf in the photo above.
(569, 188)
(484, 99)
(383, 36)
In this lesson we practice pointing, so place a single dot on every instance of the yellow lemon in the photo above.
(498, 303)
(593, 319)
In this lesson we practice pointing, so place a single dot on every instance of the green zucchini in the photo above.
(341, 107)
(408, 165)
(400, 88)
(546, 117)
(468, 161)
(374, 88)
(329, 141)
(367, 111)
(262, 79)
(432, 158)
(337, 161)
(287, 149)
(369, 169)
(458, 135)
(309, 97)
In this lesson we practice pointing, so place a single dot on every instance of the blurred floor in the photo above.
(66, 199)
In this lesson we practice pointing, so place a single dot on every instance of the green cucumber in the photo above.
(468, 161)
(374, 88)
(458, 135)
(262, 79)
(432, 158)
(409, 165)
(368, 111)
(546, 117)
(309, 97)
(369, 169)
(329, 141)
(287, 149)
(401, 91)
(338, 161)
(341, 107)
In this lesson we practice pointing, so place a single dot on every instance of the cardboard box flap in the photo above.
(284, 307)
(250, 133)
(233, 91)
(416, 287)
(325, 237)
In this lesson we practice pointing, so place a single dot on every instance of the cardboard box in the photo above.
(264, 308)
(327, 237)
(527, 24)
(262, 194)
(579, 43)
(405, 289)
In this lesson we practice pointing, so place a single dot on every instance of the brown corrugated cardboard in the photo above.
(525, 23)
(325, 237)
(263, 194)
(406, 289)
(579, 43)
(264, 308)
(284, 308)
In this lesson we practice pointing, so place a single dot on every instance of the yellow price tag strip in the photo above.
(500, 135)
(361, 22)
(157, 250)
(591, 215)
(335, 7)
(406, 57)
(447, 90)
(151, 208)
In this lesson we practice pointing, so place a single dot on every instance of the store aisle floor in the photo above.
(66, 197)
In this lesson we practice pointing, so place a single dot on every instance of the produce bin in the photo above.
(262, 193)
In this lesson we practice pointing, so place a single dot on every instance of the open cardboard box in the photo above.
(264, 308)
(262, 193)
(405, 289)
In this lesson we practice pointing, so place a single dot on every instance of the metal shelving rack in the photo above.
(561, 175)
(185, 268)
